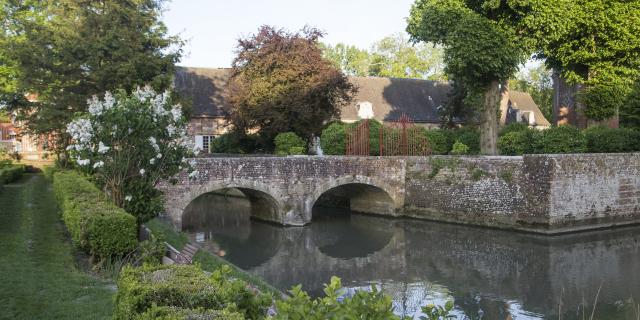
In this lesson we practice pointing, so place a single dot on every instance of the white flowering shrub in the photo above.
(128, 143)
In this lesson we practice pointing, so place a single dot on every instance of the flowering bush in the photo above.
(128, 143)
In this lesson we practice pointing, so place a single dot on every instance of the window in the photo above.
(206, 143)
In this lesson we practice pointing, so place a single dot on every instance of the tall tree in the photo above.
(351, 60)
(593, 45)
(64, 52)
(280, 82)
(393, 56)
(478, 52)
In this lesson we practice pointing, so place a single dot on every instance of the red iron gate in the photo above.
(357, 139)
(401, 138)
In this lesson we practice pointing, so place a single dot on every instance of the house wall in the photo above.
(209, 126)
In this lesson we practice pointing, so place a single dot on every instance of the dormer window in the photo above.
(365, 110)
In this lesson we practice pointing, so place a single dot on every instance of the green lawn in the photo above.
(38, 276)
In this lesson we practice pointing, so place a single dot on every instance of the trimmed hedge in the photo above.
(602, 139)
(142, 289)
(11, 174)
(96, 225)
(520, 142)
(562, 139)
(173, 313)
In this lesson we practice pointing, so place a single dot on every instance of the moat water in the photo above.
(489, 274)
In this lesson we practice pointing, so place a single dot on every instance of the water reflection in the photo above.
(490, 274)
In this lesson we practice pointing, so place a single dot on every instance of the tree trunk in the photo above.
(567, 109)
(489, 120)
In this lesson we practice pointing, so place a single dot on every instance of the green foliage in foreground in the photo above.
(210, 263)
(40, 279)
(95, 224)
(174, 313)
(289, 143)
(362, 305)
(188, 287)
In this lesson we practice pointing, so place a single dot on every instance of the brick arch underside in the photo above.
(365, 194)
(264, 205)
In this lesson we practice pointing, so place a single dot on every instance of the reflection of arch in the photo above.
(364, 194)
(350, 236)
(264, 206)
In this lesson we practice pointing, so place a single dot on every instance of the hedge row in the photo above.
(518, 140)
(96, 225)
(11, 173)
(175, 290)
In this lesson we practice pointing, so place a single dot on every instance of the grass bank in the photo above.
(38, 274)
(206, 260)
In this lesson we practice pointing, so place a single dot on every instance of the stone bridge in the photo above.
(538, 193)
(285, 189)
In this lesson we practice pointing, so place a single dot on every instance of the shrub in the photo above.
(235, 143)
(332, 139)
(562, 139)
(459, 148)
(513, 127)
(440, 141)
(95, 224)
(602, 139)
(184, 287)
(468, 136)
(173, 313)
(289, 143)
(370, 305)
(11, 173)
(520, 142)
(130, 142)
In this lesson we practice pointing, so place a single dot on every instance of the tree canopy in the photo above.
(479, 52)
(281, 83)
(592, 43)
(64, 52)
(393, 56)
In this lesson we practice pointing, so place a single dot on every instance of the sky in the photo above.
(212, 27)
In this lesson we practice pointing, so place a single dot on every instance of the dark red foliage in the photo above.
(280, 82)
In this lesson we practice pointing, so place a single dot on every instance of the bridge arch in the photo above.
(264, 204)
(364, 194)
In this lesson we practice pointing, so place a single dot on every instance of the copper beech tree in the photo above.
(281, 83)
